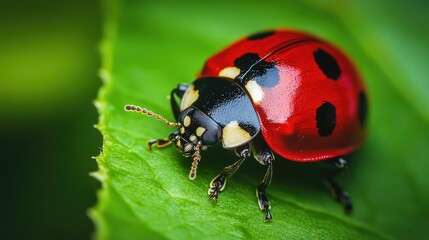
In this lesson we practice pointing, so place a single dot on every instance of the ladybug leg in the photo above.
(264, 156)
(263, 202)
(159, 143)
(337, 192)
(178, 91)
(164, 142)
(219, 182)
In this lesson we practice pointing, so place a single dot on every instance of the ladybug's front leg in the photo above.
(219, 182)
(337, 192)
(164, 142)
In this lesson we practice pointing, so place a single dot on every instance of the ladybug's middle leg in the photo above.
(337, 191)
(265, 156)
(263, 202)
(219, 182)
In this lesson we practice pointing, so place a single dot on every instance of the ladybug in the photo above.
(277, 92)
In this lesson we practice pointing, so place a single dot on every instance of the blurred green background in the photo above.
(49, 65)
(48, 80)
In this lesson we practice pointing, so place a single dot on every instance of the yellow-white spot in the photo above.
(191, 95)
(188, 147)
(229, 72)
(179, 143)
(182, 130)
(255, 91)
(233, 135)
(187, 121)
(192, 138)
(200, 131)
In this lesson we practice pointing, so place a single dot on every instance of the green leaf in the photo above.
(150, 47)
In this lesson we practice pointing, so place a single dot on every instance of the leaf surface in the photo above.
(150, 47)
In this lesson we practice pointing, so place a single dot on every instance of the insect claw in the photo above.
(268, 217)
(150, 144)
(214, 193)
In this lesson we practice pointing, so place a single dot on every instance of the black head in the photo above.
(195, 131)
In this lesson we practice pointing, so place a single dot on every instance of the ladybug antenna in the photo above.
(197, 158)
(132, 108)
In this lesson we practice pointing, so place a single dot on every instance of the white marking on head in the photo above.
(187, 121)
(188, 147)
(233, 135)
(255, 91)
(191, 95)
(200, 131)
(229, 72)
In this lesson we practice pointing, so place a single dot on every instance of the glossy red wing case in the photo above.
(316, 109)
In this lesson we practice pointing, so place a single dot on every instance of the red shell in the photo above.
(287, 112)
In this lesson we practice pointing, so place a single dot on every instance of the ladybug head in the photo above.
(195, 126)
(195, 131)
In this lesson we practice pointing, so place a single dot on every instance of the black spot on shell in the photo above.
(261, 35)
(246, 61)
(327, 64)
(252, 67)
(363, 108)
(326, 119)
